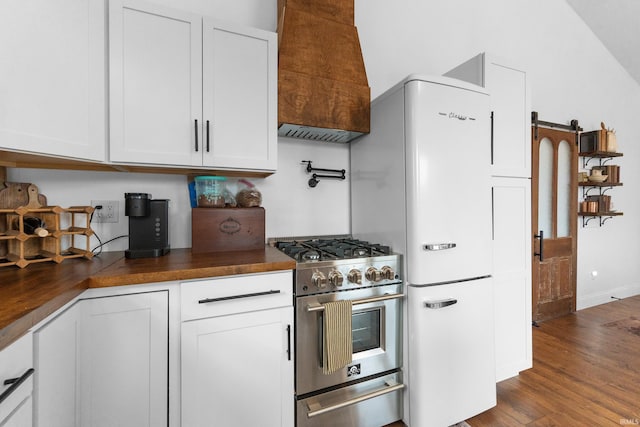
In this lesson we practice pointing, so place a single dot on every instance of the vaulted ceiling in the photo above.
(617, 24)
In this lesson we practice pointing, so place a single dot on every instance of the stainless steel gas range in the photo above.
(367, 391)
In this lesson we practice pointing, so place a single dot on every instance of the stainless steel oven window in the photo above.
(367, 332)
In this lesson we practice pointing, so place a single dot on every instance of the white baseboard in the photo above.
(609, 295)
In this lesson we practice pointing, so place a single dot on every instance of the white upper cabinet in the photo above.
(165, 110)
(511, 112)
(511, 120)
(52, 77)
(240, 96)
(155, 84)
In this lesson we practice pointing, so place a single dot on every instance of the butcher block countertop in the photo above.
(29, 295)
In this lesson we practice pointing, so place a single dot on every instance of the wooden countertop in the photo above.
(29, 295)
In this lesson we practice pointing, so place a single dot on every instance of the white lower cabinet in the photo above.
(512, 275)
(16, 383)
(22, 416)
(104, 362)
(124, 360)
(56, 346)
(237, 351)
(113, 359)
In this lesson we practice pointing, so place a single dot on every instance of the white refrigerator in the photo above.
(420, 182)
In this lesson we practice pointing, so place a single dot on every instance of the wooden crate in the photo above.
(227, 229)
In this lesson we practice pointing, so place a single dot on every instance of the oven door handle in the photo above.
(319, 307)
(315, 409)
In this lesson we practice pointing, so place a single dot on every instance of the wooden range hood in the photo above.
(323, 93)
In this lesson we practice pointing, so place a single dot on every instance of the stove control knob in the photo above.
(388, 273)
(319, 280)
(373, 274)
(336, 278)
(355, 276)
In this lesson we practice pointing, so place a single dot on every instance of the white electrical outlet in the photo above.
(108, 213)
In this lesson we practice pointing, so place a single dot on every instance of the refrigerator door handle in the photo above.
(438, 246)
(440, 303)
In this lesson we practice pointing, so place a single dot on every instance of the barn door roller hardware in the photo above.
(327, 173)
(536, 122)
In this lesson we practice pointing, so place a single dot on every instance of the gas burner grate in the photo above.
(332, 248)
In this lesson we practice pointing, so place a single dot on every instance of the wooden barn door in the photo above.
(554, 222)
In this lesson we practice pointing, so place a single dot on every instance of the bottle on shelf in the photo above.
(32, 225)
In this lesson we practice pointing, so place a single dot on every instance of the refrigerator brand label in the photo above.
(453, 115)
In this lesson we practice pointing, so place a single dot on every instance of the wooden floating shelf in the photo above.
(600, 213)
(600, 154)
(601, 216)
(599, 184)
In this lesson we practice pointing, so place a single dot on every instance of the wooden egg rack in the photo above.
(69, 233)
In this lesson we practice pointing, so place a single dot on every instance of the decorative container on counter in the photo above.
(61, 233)
(230, 229)
(210, 191)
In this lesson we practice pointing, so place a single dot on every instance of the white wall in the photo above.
(292, 207)
(573, 77)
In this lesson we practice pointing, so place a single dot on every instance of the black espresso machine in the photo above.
(148, 225)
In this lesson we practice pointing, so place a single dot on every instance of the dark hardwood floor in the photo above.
(586, 372)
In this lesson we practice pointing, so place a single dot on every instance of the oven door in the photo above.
(376, 332)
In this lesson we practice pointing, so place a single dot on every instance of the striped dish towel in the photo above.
(338, 344)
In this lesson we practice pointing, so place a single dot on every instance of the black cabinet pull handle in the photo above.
(207, 136)
(256, 294)
(541, 253)
(288, 342)
(15, 383)
(196, 129)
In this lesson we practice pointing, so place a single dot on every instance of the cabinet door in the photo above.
(237, 370)
(511, 130)
(512, 275)
(511, 111)
(239, 101)
(124, 360)
(21, 416)
(52, 77)
(155, 84)
(56, 347)
(15, 397)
